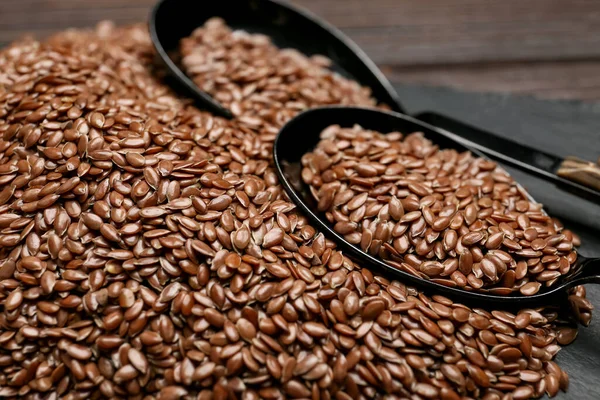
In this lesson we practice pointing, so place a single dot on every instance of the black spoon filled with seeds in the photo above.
(411, 200)
(288, 26)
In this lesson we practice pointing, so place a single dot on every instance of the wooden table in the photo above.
(549, 48)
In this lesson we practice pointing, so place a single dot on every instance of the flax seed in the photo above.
(148, 249)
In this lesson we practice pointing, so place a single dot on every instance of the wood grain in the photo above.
(412, 32)
(472, 44)
(558, 80)
(585, 172)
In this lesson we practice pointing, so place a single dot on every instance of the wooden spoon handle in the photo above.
(581, 171)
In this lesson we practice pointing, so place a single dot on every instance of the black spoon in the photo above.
(301, 134)
(286, 25)
(292, 27)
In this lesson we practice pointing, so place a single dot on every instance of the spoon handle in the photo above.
(581, 171)
(589, 272)
(579, 177)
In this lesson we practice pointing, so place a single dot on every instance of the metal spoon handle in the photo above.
(589, 272)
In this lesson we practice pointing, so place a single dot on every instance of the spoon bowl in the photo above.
(286, 25)
(301, 135)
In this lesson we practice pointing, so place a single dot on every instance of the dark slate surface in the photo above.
(559, 127)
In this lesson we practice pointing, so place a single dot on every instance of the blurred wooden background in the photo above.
(549, 48)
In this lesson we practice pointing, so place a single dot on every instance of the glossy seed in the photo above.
(148, 249)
